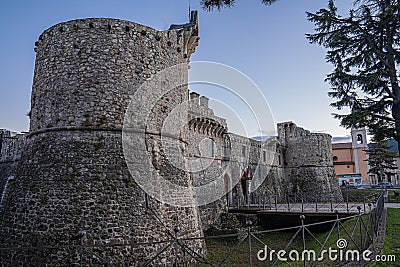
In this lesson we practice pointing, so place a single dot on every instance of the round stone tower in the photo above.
(308, 164)
(73, 186)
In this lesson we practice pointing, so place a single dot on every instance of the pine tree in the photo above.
(380, 160)
(363, 47)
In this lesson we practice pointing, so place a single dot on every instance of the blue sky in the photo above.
(267, 43)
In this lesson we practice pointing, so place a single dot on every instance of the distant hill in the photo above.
(393, 146)
(336, 139)
(391, 143)
(341, 139)
(260, 138)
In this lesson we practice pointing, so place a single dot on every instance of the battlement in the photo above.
(11, 144)
(87, 72)
(289, 130)
(79, 170)
(179, 39)
(202, 118)
(304, 148)
(71, 90)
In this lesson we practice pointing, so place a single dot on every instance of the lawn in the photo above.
(358, 195)
(217, 249)
(392, 197)
(392, 240)
(369, 194)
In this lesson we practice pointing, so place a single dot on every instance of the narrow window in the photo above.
(359, 139)
(211, 148)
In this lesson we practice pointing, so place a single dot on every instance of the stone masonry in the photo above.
(72, 176)
(70, 181)
(295, 162)
(11, 145)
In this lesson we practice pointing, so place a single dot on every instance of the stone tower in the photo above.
(73, 186)
(308, 163)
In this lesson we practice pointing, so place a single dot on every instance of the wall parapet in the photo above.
(11, 145)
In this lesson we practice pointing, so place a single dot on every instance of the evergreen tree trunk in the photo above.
(396, 116)
(391, 66)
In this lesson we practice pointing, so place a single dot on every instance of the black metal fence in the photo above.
(250, 246)
(305, 202)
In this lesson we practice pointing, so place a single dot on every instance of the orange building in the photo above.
(350, 159)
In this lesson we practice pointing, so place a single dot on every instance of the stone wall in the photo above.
(218, 154)
(73, 170)
(206, 152)
(11, 145)
(72, 175)
(296, 161)
(10, 153)
(308, 163)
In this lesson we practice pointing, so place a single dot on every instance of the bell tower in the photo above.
(359, 137)
(359, 144)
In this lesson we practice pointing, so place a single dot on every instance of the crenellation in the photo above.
(204, 102)
(73, 174)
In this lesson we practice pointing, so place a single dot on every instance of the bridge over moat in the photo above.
(273, 211)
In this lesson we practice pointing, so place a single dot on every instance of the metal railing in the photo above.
(304, 202)
(359, 232)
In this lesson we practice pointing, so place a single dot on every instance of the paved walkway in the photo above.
(392, 205)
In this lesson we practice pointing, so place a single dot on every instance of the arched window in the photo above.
(335, 158)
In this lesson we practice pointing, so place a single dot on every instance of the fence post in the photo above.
(276, 203)
(364, 203)
(359, 217)
(372, 223)
(338, 223)
(302, 218)
(288, 202)
(176, 230)
(248, 224)
(81, 235)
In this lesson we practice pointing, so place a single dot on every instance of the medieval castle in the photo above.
(69, 174)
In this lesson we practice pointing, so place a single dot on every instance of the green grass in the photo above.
(369, 194)
(392, 197)
(217, 249)
(355, 194)
(392, 240)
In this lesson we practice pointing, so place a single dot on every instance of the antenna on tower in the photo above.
(189, 9)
